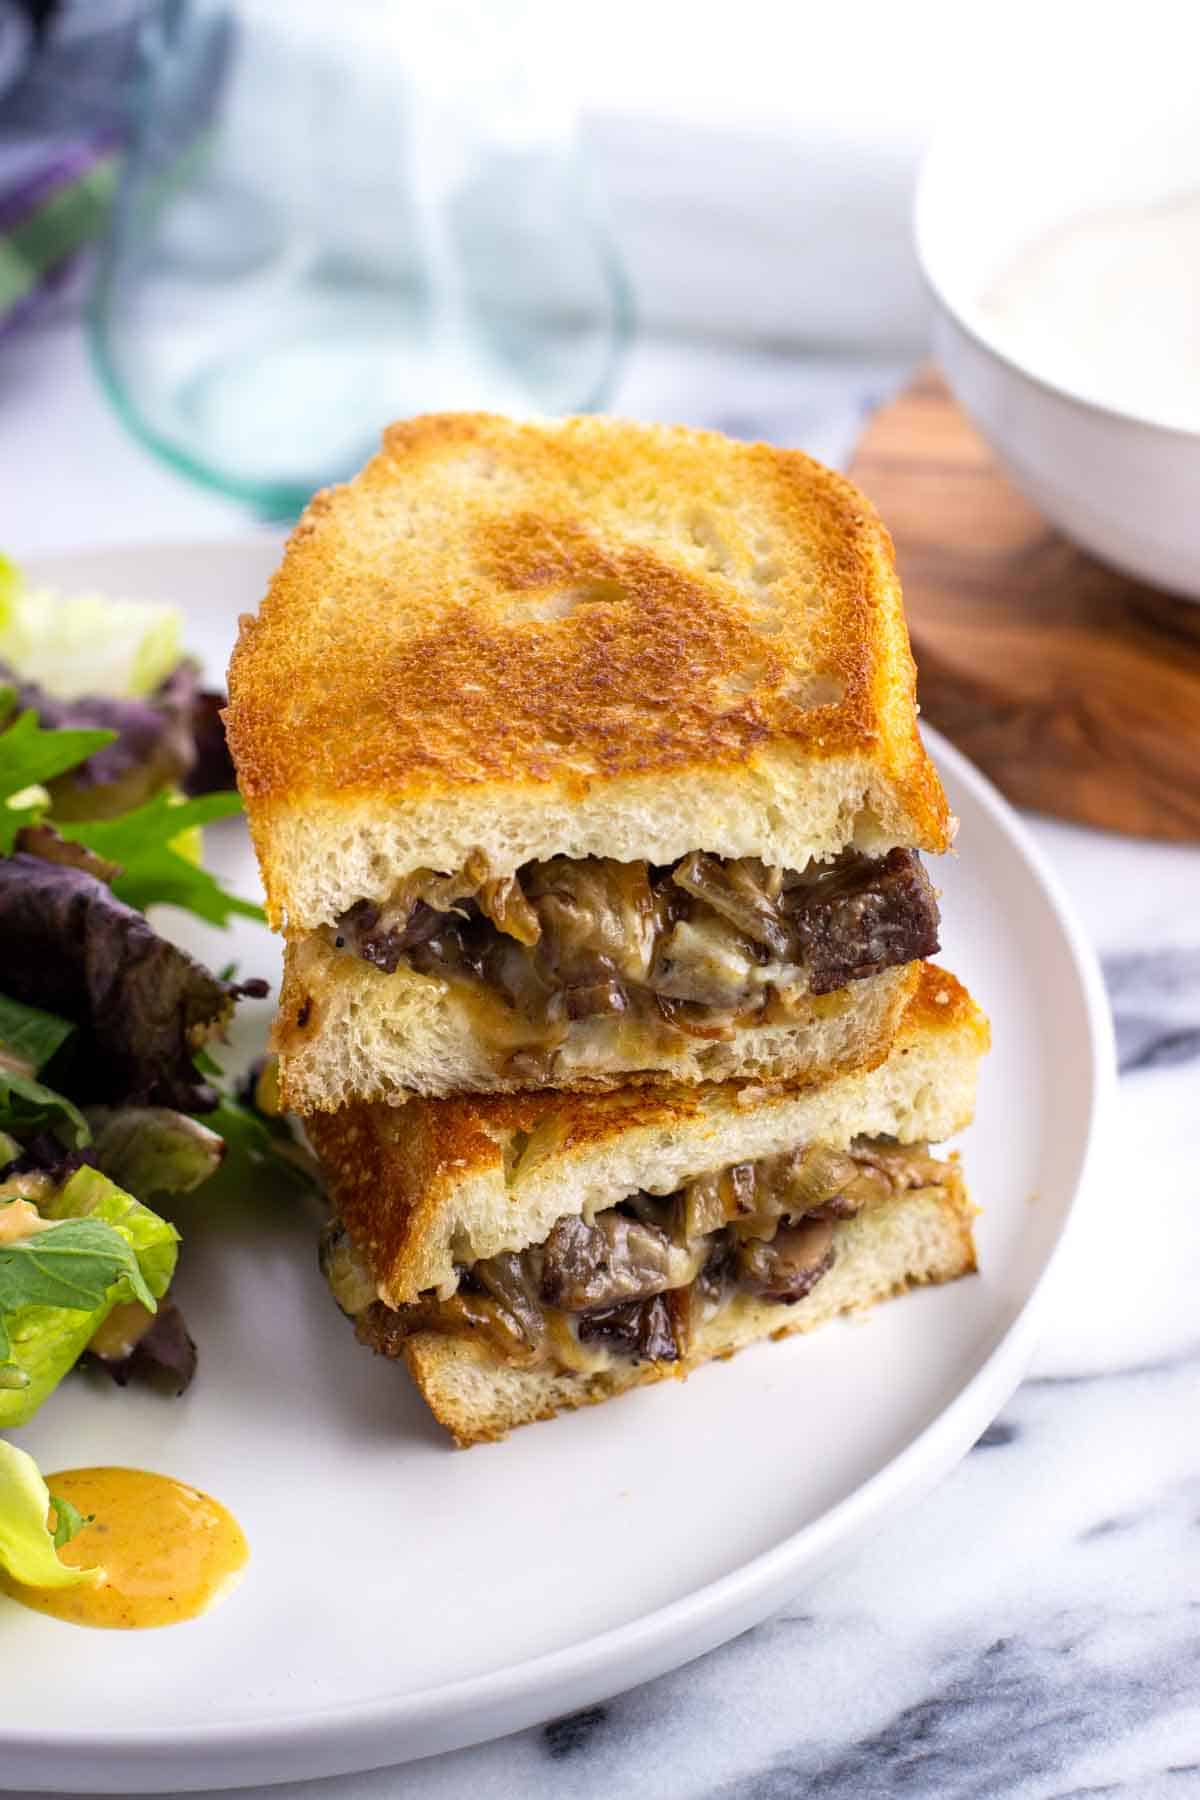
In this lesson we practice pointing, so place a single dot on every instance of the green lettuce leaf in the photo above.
(70, 1266)
(68, 1520)
(158, 865)
(28, 1036)
(27, 1106)
(28, 1549)
(154, 745)
(157, 845)
(259, 1147)
(153, 1149)
(110, 1249)
(30, 756)
(77, 644)
(155, 1242)
(28, 1040)
(27, 808)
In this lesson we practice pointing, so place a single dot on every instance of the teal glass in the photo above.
(334, 216)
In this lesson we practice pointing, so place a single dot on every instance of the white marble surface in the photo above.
(1032, 1629)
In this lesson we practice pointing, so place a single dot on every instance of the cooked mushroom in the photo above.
(615, 1259)
(790, 1265)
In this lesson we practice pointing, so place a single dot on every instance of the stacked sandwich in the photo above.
(582, 766)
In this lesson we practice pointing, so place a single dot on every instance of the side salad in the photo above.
(112, 759)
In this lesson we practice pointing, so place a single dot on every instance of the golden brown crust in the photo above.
(552, 607)
(390, 1169)
(941, 1002)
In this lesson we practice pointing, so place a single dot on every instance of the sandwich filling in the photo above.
(703, 946)
(642, 1278)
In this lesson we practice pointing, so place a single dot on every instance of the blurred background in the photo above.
(236, 238)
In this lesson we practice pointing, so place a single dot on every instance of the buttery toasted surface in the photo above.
(586, 637)
(435, 1183)
(922, 1236)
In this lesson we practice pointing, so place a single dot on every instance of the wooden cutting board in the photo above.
(1074, 687)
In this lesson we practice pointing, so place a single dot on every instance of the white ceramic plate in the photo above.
(403, 1598)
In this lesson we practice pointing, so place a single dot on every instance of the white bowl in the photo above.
(996, 180)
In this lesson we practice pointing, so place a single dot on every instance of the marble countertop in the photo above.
(1032, 1629)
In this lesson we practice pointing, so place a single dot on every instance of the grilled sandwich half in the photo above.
(531, 1253)
(583, 753)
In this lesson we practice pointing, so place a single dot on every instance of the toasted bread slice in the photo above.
(426, 1187)
(346, 1032)
(921, 1236)
(587, 638)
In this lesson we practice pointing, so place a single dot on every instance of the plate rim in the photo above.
(368, 1734)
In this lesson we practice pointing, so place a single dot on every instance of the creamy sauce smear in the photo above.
(168, 1551)
(1108, 304)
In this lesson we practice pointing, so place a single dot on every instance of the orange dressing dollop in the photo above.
(168, 1551)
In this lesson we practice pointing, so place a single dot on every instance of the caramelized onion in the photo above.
(743, 891)
(676, 1014)
(703, 1207)
(594, 907)
(507, 1279)
(504, 903)
(464, 1314)
(603, 996)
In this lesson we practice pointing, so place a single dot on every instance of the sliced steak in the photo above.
(867, 916)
